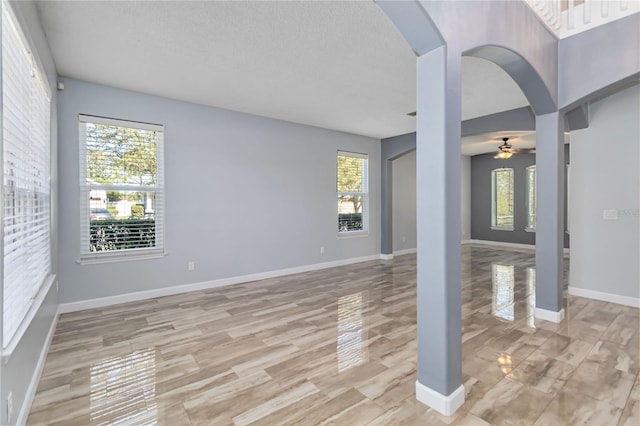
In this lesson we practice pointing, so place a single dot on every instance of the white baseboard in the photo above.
(405, 251)
(446, 405)
(547, 315)
(35, 378)
(504, 244)
(386, 256)
(605, 297)
(205, 285)
(507, 245)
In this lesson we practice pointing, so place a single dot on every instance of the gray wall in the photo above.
(481, 167)
(605, 253)
(404, 202)
(606, 64)
(244, 194)
(18, 369)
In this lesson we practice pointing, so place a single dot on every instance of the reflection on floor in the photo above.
(338, 347)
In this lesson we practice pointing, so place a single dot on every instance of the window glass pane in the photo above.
(531, 197)
(121, 220)
(503, 191)
(350, 213)
(120, 155)
(350, 174)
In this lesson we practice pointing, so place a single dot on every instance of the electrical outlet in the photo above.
(191, 265)
(404, 239)
(321, 250)
(9, 407)
(611, 214)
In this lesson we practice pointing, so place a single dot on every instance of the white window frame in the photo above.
(26, 244)
(87, 257)
(364, 193)
(568, 198)
(494, 201)
(531, 222)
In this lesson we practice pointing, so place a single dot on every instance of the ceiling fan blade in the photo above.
(523, 150)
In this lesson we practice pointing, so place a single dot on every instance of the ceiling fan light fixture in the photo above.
(503, 155)
(504, 150)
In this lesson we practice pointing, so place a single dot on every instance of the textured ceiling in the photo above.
(337, 65)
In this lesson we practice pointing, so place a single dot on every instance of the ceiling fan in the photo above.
(506, 150)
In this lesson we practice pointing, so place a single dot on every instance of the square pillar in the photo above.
(550, 171)
(438, 172)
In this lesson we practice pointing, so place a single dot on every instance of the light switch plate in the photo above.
(611, 214)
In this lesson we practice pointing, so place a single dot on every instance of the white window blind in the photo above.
(352, 182)
(26, 146)
(121, 187)
(502, 199)
(531, 197)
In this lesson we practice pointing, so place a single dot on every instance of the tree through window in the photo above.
(352, 182)
(502, 199)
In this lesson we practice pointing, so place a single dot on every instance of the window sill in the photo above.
(110, 257)
(33, 310)
(352, 234)
(529, 229)
(498, 228)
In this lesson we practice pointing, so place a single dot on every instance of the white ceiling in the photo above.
(337, 65)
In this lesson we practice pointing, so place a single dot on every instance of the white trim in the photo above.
(353, 154)
(606, 297)
(85, 118)
(504, 244)
(37, 373)
(351, 234)
(205, 285)
(508, 245)
(120, 256)
(386, 256)
(502, 228)
(26, 321)
(405, 251)
(547, 315)
(446, 405)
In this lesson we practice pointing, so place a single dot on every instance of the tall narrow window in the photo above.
(502, 199)
(121, 185)
(568, 197)
(352, 183)
(26, 146)
(531, 198)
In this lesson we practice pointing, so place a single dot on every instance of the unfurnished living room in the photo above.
(320, 212)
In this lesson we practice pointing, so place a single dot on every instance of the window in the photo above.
(121, 186)
(353, 192)
(568, 197)
(26, 147)
(531, 198)
(502, 199)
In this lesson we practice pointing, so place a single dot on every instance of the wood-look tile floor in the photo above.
(338, 346)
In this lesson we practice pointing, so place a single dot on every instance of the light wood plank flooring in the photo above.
(338, 346)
